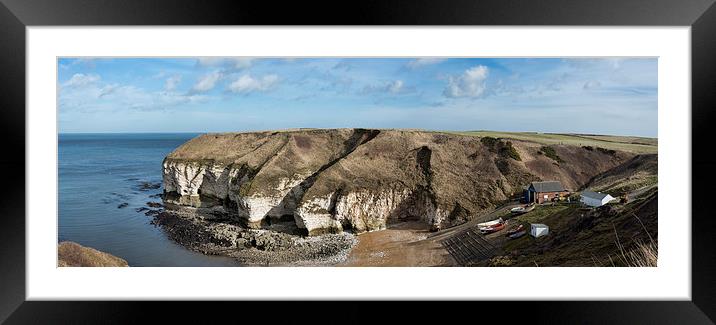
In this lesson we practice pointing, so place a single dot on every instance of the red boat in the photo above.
(492, 228)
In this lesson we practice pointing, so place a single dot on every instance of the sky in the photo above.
(615, 96)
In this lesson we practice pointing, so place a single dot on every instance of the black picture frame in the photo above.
(16, 15)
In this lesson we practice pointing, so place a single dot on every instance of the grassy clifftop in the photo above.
(638, 145)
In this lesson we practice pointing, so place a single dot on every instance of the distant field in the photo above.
(625, 143)
(639, 145)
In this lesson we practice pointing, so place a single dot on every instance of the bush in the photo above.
(606, 151)
(503, 166)
(588, 148)
(508, 151)
(489, 142)
(503, 148)
(551, 153)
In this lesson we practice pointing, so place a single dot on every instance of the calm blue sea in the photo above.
(98, 173)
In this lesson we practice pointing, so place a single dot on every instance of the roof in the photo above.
(594, 195)
(549, 186)
(539, 225)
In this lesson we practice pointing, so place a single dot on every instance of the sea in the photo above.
(104, 179)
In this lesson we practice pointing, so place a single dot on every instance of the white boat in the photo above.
(490, 223)
(522, 209)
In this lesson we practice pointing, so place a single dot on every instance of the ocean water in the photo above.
(98, 173)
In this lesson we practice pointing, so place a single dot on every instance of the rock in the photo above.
(73, 254)
(252, 246)
(122, 205)
(152, 213)
(154, 205)
(147, 186)
(333, 180)
(502, 260)
(142, 209)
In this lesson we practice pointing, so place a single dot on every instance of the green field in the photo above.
(637, 145)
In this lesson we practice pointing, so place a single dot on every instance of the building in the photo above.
(595, 199)
(539, 230)
(540, 192)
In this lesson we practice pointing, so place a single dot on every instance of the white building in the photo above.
(539, 230)
(595, 199)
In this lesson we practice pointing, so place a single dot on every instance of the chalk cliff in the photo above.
(332, 180)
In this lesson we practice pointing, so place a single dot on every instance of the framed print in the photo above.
(453, 155)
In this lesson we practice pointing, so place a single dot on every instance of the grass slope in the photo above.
(607, 236)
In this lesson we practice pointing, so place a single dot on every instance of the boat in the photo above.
(490, 223)
(492, 228)
(515, 229)
(517, 234)
(522, 209)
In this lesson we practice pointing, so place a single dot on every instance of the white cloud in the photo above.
(424, 61)
(210, 61)
(247, 83)
(107, 90)
(472, 83)
(395, 86)
(235, 63)
(172, 82)
(392, 87)
(81, 79)
(343, 65)
(97, 96)
(207, 82)
(242, 63)
(592, 84)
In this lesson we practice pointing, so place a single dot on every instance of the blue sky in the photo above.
(214, 94)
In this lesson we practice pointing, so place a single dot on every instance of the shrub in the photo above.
(503, 148)
(606, 151)
(551, 153)
(644, 254)
(508, 151)
(503, 166)
(588, 148)
(489, 142)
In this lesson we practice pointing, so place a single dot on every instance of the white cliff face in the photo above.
(281, 202)
(315, 216)
(184, 179)
(203, 187)
(364, 210)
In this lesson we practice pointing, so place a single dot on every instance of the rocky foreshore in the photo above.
(279, 244)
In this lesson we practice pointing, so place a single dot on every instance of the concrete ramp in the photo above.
(469, 247)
